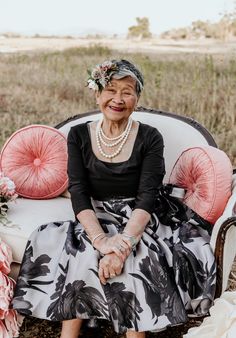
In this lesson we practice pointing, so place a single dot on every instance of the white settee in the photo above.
(179, 134)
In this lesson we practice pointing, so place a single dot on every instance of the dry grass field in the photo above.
(46, 84)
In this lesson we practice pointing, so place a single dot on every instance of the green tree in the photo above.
(141, 30)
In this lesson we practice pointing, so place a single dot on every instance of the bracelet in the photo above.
(127, 235)
(97, 236)
(132, 239)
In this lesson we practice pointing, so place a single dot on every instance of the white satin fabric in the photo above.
(222, 320)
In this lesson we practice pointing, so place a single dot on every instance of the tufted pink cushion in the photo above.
(35, 158)
(206, 174)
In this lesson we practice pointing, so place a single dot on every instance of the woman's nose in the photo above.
(118, 98)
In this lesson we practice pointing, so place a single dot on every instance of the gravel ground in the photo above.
(36, 328)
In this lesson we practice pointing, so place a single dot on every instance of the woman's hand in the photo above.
(118, 244)
(109, 266)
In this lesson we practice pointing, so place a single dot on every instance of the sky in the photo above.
(74, 17)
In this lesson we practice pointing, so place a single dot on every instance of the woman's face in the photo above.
(118, 99)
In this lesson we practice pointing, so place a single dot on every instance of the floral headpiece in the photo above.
(101, 75)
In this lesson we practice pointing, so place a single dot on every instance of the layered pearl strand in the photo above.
(121, 139)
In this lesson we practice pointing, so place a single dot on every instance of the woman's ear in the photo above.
(136, 105)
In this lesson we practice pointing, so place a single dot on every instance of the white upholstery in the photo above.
(178, 135)
(26, 215)
(230, 240)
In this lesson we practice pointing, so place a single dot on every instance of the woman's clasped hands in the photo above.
(115, 250)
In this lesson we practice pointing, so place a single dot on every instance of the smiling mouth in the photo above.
(116, 108)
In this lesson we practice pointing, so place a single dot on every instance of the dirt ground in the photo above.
(155, 45)
(35, 328)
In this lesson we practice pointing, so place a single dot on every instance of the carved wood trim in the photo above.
(190, 121)
(219, 252)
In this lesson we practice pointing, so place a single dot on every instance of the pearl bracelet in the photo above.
(97, 236)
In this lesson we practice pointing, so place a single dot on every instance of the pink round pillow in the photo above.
(206, 174)
(35, 158)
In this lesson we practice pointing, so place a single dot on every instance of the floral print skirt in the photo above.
(169, 275)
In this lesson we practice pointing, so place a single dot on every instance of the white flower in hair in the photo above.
(92, 85)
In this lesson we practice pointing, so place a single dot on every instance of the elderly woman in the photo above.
(135, 255)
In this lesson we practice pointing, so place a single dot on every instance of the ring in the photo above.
(121, 248)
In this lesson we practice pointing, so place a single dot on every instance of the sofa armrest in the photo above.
(223, 241)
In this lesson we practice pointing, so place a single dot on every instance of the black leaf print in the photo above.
(160, 294)
(23, 306)
(75, 240)
(76, 300)
(32, 270)
(190, 273)
(124, 305)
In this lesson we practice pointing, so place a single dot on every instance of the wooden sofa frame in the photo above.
(186, 133)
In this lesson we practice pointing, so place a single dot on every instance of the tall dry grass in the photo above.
(47, 88)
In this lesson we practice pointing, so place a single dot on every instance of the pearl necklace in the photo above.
(122, 138)
(117, 139)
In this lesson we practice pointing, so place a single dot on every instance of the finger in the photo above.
(103, 280)
(121, 256)
(118, 270)
(124, 256)
(125, 244)
(125, 250)
(106, 272)
(122, 246)
(101, 276)
(127, 241)
(112, 273)
(117, 252)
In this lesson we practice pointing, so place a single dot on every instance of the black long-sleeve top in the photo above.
(140, 176)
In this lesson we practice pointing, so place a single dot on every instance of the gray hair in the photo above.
(102, 74)
(126, 68)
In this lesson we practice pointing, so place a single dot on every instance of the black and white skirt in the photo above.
(171, 273)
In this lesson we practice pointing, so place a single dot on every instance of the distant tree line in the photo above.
(224, 29)
(141, 30)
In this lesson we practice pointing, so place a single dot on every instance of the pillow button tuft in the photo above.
(37, 162)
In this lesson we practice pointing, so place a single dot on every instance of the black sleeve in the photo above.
(78, 182)
(152, 171)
